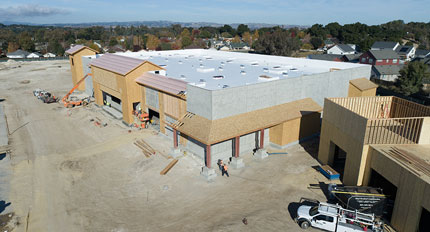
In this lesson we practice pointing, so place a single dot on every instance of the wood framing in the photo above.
(75, 60)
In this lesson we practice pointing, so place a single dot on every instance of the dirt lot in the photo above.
(71, 175)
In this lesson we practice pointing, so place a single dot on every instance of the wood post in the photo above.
(236, 146)
(261, 138)
(208, 156)
(175, 138)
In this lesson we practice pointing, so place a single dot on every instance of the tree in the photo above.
(152, 42)
(236, 39)
(316, 42)
(246, 37)
(411, 78)
(226, 35)
(12, 46)
(55, 47)
(306, 46)
(113, 42)
(228, 29)
(25, 41)
(186, 38)
(256, 35)
(241, 29)
(277, 43)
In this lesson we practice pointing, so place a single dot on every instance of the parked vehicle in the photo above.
(45, 96)
(332, 217)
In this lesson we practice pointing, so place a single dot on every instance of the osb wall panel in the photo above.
(79, 73)
(295, 129)
(105, 78)
(173, 106)
(355, 92)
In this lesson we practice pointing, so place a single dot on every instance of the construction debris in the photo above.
(168, 167)
(145, 147)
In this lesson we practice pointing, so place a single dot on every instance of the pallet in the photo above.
(168, 167)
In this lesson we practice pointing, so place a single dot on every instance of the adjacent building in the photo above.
(18, 54)
(342, 49)
(75, 57)
(380, 57)
(386, 72)
(406, 53)
(386, 146)
(385, 45)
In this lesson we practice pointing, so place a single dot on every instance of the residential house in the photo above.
(41, 46)
(328, 43)
(385, 45)
(386, 72)
(380, 57)
(48, 55)
(353, 58)
(327, 57)
(341, 49)
(34, 55)
(421, 53)
(406, 52)
(18, 54)
(239, 46)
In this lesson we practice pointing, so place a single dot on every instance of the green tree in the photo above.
(152, 42)
(113, 42)
(277, 43)
(411, 78)
(316, 42)
(242, 28)
(55, 47)
(186, 38)
(25, 41)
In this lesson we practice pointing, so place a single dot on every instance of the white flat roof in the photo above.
(212, 69)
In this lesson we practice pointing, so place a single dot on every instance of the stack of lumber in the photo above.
(145, 147)
(168, 167)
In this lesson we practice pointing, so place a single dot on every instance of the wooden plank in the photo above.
(168, 167)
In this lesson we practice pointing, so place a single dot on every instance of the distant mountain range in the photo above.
(160, 23)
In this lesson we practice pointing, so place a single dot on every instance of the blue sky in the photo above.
(302, 12)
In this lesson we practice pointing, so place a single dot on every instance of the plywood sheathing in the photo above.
(213, 131)
(75, 59)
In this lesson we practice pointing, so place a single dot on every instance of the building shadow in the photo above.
(3, 205)
(2, 156)
(309, 131)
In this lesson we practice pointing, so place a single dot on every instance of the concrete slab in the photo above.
(261, 154)
(237, 163)
(115, 113)
(208, 173)
(175, 153)
(4, 139)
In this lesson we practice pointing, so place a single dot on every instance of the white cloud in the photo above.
(29, 10)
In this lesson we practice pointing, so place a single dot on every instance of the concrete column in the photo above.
(208, 156)
(236, 146)
(175, 139)
(261, 138)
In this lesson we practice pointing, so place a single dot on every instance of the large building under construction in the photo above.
(219, 105)
(387, 146)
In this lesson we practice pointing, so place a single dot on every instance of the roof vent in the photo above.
(229, 61)
(242, 66)
(276, 67)
(180, 62)
(220, 69)
(202, 80)
(218, 77)
(267, 78)
(167, 60)
(225, 86)
(183, 77)
(266, 70)
(205, 70)
(254, 63)
(200, 60)
(201, 65)
(222, 63)
(285, 74)
(163, 65)
(293, 69)
(243, 72)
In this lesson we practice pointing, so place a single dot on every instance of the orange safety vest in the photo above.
(225, 167)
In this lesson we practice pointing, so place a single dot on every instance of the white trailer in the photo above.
(332, 217)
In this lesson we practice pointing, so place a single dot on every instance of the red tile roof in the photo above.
(163, 83)
(117, 64)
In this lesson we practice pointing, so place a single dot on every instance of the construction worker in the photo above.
(220, 164)
(225, 170)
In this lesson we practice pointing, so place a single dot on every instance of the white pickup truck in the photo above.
(335, 218)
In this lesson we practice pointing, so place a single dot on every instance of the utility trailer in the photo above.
(363, 199)
(332, 217)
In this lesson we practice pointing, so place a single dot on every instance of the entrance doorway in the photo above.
(339, 160)
(154, 118)
(424, 221)
(378, 181)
